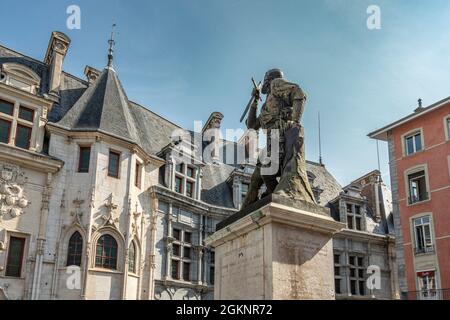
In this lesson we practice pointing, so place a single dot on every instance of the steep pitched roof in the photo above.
(103, 107)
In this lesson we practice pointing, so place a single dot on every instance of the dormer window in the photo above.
(21, 77)
(354, 217)
(185, 180)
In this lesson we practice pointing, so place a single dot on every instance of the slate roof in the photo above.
(41, 69)
(103, 107)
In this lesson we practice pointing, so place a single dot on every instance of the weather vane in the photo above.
(111, 42)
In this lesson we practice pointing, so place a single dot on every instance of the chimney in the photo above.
(91, 74)
(211, 133)
(419, 106)
(57, 50)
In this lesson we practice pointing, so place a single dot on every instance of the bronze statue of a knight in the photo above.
(282, 110)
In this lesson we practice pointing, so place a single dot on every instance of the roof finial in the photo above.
(111, 42)
(419, 107)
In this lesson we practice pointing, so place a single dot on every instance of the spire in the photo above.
(112, 43)
(320, 142)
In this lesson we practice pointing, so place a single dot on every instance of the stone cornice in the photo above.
(29, 159)
(275, 213)
(27, 96)
(191, 204)
(99, 135)
(367, 236)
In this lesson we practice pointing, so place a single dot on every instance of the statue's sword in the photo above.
(257, 87)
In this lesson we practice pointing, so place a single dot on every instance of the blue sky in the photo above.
(184, 59)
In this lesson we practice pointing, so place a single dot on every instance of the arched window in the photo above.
(75, 250)
(132, 258)
(106, 253)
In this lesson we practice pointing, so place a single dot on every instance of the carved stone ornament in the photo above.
(111, 218)
(77, 214)
(12, 198)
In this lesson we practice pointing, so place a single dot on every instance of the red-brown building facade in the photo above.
(419, 155)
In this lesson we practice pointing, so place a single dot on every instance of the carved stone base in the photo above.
(281, 251)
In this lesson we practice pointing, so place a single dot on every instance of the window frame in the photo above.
(23, 240)
(411, 171)
(427, 293)
(103, 257)
(181, 176)
(173, 262)
(428, 248)
(16, 122)
(353, 215)
(179, 255)
(189, 277)
(30, 134)
(191, 193)
(138, 174)
(181, 189)
(9, 130)
(69, 254)
(338, 277)
(356, 278)
(409, 134)
(447, 127)
(80, 149)
(33, 111)
(12, 109)
(119, 156)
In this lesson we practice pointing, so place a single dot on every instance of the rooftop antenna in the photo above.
(320, 142)
(112, 43)
(378, 157)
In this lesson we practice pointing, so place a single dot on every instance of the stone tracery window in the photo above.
(106, 253)
(75, 249)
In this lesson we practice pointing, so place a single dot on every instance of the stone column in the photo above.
(168, 275)
(237, 192)
(198, 184)
(40, 251)
(199, 265)
(170, 172)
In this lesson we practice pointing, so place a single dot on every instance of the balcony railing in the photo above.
(426, 249)
(418, 198)
(432, 294)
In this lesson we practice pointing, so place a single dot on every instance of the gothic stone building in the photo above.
(96, 204)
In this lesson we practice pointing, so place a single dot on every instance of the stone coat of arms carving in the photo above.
(12, 197)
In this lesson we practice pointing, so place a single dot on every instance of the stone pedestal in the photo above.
(280, 251)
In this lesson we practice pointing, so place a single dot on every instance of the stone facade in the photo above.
(96, 201)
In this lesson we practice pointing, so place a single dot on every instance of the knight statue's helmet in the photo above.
(273, 74)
